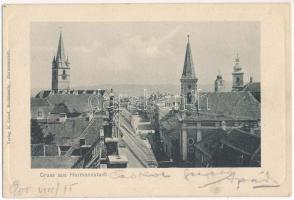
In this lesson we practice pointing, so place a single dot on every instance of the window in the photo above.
(191, 141)
(189, 98)
(63, 75)
(191, 150)
(238, 81)
(40, 114)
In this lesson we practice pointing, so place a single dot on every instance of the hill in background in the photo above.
(138, 90)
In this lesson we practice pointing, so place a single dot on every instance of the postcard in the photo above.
(144, 100)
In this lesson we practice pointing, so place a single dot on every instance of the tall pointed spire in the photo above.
(60, 56)
(188, 71)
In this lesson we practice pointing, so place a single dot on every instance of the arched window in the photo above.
(238, 81)
(189, 98)
(63, 75)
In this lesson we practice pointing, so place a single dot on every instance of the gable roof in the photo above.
(60, 108)
(252, 87)
(37, 102)
(210, 141)
(238, 105)
(241, 141)
(69, 132)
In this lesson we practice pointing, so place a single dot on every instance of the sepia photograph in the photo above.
(146, 100)
(145, 94)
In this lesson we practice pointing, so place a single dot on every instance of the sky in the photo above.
(144, 52)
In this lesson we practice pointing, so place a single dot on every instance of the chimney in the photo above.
(82, 141)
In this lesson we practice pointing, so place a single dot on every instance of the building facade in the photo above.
(201, 137)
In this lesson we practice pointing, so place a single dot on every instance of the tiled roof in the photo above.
(47, 93)
(235, 104)
(68, 133)
(205, 116)
(37, 102)
(43, 94)
(50, 150)
(252, 87)
(243, 141)
(60, 108)
(210, 141)
(53, 162)
(74, 103)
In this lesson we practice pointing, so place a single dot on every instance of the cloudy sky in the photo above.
(144, 52)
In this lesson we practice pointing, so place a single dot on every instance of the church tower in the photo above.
(60, 69)
(188, 80)
(237, 76)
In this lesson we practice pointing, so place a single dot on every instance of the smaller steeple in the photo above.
(237, 66)
(219, 83)
(67, 62)
(238, 75)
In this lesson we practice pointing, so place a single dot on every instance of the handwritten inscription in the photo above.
(121, 174)
(261, 180)
(209, 178)
(19, 190)
(16, 189)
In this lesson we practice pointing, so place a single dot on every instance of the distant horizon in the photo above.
(136, 89)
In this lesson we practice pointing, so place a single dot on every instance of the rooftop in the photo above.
(239, 105)
(241, 141)
(53, 161)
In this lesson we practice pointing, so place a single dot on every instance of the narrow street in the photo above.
(133, 162)
(137, 146)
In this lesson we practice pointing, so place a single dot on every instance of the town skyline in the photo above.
(156, 50)
(154, 129)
